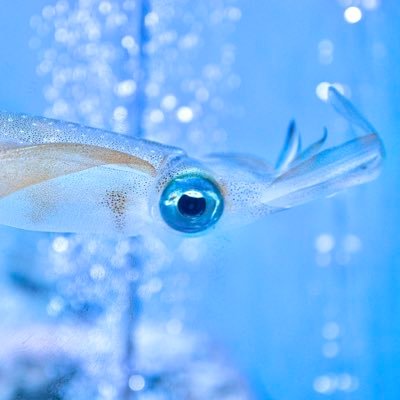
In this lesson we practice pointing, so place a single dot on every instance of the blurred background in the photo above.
(300, 305)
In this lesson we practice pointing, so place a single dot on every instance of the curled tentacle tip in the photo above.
(334, 93)
(290, 148)
(324, 135)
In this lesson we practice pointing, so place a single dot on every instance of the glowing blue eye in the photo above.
(191, 204)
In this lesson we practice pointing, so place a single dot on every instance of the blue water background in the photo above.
(266, 299)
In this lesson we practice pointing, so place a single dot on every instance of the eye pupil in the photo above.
(191, 206)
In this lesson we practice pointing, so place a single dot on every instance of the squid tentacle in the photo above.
(291, 148)
(329, 171)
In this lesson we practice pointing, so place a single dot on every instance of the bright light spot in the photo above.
(330, 349)
(93, 32)
(352, 15)
(60, 107)
(202, 94)
(347, 383)
(155, 285)
(50, 93)
(61, 35)
(323, 384)
(156, 116)
(126, 88)
(234, 13)
(352, 243)
(129, 5)
(62, 6)
(330, 330)
(60, 244)
(184, 114)
(55, 305)
(120, 113)
(169, 102)
(48, 12)
(128, 42)
(137, 383)
(370, 4)
(212, 72)
(324, 243)
(97, 272)
(106, 390)
(174, 326)
(325, 51)
(105, 7)
(189, 41)
(322, 89)
(151, 19)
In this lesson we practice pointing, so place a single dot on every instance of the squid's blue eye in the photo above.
(191, 204)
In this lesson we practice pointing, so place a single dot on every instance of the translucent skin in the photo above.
(63, 177)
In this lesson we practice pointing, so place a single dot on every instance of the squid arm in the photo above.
(327, 172)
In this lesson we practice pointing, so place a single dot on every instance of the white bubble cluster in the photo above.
(106, 66)
(93, 50)
(190, 87)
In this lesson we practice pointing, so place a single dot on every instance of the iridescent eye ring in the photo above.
(191, 203)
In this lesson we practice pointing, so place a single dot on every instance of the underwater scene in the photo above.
(199, 200)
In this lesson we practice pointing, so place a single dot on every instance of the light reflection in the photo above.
(60, 244)
(184, 114)
(156, 116)
(370, 4)
(137, 383)
(330, 383)
(126, 88)
(234, 13)
(105, 7)
(323, 384)
(353, 15)
(352, 243)
(169, 102)
(325, 51)
(120, 113)
(322, 89)
(151, 19)
(324, 243)
(330, 331)
(97, 272)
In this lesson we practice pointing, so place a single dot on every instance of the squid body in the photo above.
(62, 177)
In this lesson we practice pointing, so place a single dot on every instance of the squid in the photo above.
(63, 177)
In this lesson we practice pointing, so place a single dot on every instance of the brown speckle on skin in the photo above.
(117, 201)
